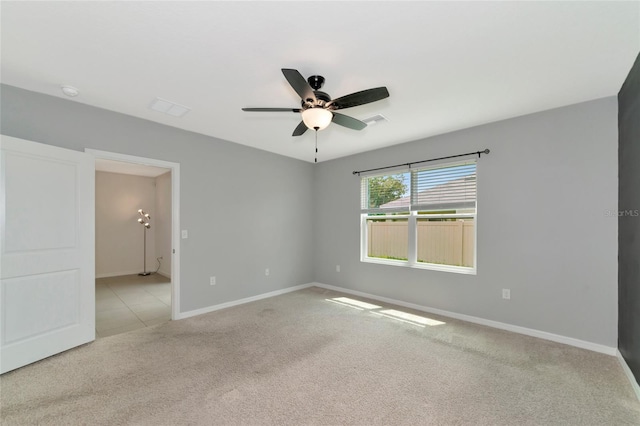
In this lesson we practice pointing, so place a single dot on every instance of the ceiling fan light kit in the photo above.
(316, 118)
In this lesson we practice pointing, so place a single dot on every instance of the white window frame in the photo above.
(412, 220)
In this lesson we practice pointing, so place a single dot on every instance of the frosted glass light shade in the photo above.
(316, 117)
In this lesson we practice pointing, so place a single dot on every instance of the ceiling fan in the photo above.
(318, 109)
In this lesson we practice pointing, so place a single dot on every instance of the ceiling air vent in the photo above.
(379, 118)
(168, 107)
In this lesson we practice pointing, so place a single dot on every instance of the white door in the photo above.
(47, 287)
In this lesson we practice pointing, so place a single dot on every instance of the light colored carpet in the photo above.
(300, 359)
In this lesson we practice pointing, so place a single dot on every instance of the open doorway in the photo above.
(136, 264)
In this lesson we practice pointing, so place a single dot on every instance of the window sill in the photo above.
(427, 266)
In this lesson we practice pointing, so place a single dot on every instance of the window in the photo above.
(423, 218)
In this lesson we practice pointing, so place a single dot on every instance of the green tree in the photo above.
(383, 189)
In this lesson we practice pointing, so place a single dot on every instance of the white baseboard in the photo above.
(183, 315)
(495, 324)
(595, 347)
(136, 272)
(629, 374)
(164, 274)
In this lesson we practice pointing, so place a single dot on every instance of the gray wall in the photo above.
(245, 209)
(629, 221)
(543, 228)
(119, 237)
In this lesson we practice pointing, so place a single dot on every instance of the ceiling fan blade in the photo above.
(360, 98)
(300, 129)
(350, 122)
(299, 84)
(272, 109)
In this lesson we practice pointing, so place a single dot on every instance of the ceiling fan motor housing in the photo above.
(322, 99)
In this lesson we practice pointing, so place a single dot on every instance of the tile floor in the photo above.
(130, 302)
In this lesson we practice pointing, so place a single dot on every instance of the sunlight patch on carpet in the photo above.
(355, 302)
(412, 318)
(344, 304)
(394, 314)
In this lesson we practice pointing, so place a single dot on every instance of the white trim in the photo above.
(208, 309)
(595, 347)
(629, 374)
(115, 156)
(175, 214)
(418, 265)
(383, 261)
(446, 268)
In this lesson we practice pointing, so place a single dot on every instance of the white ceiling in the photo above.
(447, 65)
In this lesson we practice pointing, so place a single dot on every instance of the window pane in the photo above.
(449, 187)
(386, 193)
(388, 238)
(446, 241)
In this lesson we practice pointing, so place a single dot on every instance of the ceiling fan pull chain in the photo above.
(316, 129)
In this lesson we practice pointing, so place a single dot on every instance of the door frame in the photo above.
(175, 214)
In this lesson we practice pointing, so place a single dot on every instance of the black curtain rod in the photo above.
(478, 153)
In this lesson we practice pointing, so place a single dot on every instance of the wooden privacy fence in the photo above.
(441, 242)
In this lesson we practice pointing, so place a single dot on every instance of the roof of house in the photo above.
(454, 193)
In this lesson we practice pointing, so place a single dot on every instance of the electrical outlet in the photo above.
(337, 268)
(212, 280)
(266, 272)
(506, 293)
